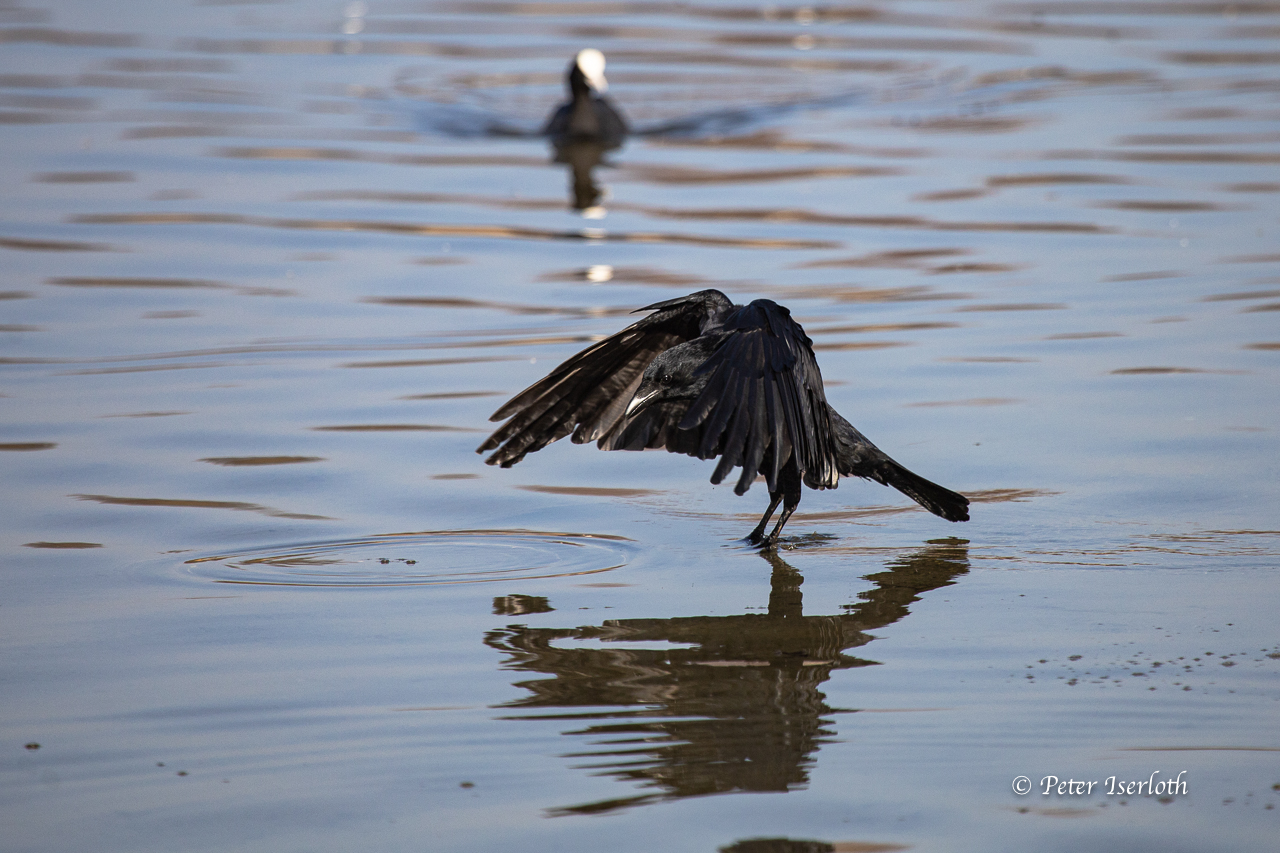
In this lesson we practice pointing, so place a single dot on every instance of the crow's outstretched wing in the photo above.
(588, 394)
(761, 402)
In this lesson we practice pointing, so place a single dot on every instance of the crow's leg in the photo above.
(757, 535)
(787, 508)
(789, 491)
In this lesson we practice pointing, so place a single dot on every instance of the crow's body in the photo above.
(707, 378)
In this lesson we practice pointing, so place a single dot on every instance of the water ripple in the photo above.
(427, 558)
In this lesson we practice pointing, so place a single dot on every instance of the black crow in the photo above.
(708, 378)
(588, 116)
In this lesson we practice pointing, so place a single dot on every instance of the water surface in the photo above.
(269, 267)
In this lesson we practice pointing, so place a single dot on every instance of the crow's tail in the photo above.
(858, 457)
(952, 506)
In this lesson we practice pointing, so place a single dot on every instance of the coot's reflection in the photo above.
(582, 157)
(738, 709)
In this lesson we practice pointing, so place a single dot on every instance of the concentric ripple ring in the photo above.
(424, 558)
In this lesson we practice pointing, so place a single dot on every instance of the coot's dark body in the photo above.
(588, 116)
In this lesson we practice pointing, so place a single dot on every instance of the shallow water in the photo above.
(268, 268)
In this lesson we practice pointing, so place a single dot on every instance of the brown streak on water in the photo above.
(240, 461)
(394, 428)
(63, 546)
(34, 245)
(591, 491)
(447, 230)
(184, 503)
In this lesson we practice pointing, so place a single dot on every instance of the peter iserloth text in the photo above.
(1113, 786)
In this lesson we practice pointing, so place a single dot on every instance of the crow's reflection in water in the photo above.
(737, 710)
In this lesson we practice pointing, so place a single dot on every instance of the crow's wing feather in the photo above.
(762, 401)
(587, 394)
